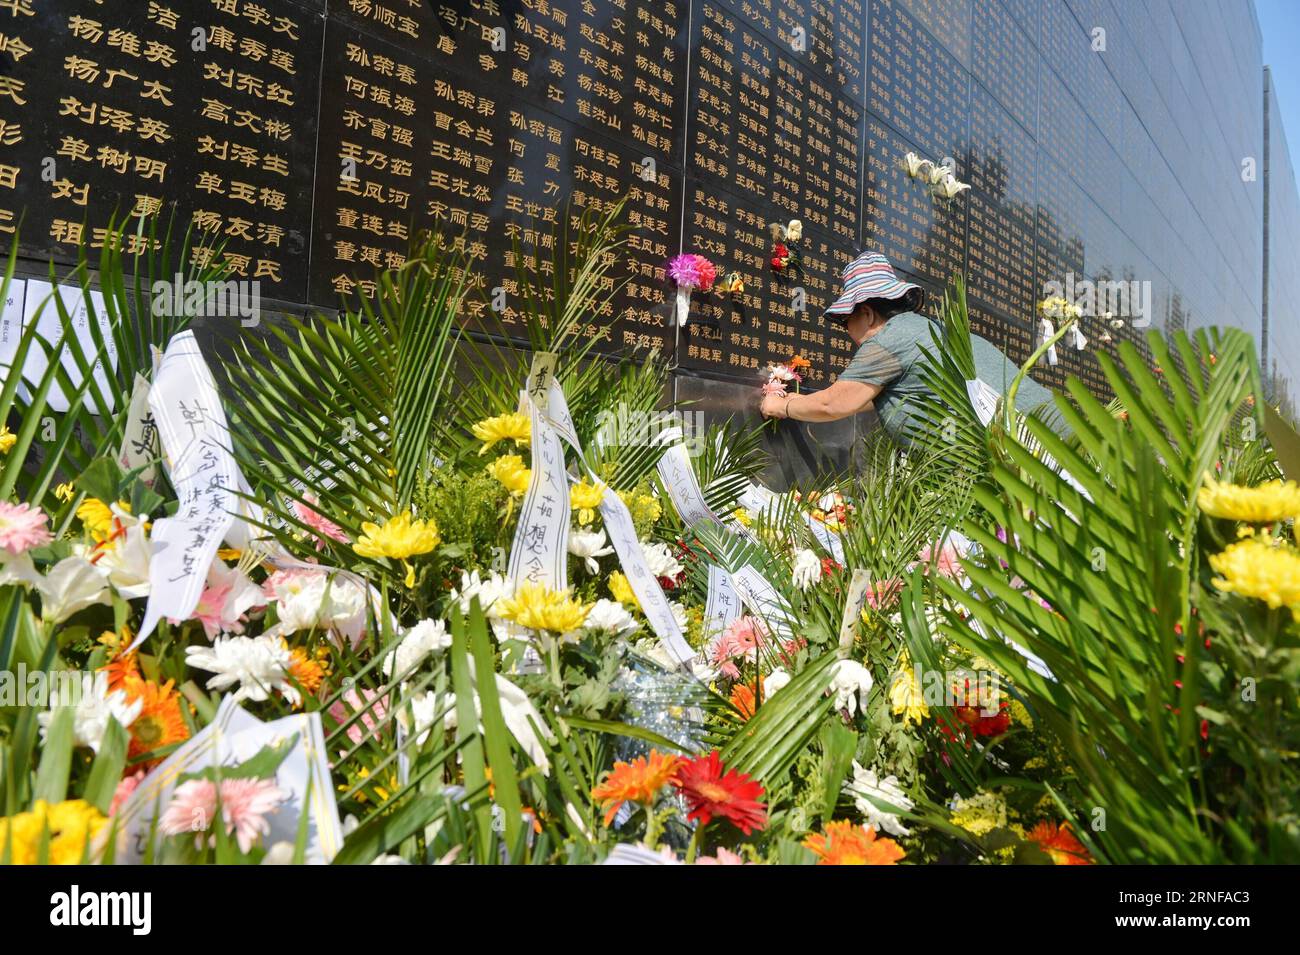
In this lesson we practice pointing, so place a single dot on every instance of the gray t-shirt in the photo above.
(893, 359)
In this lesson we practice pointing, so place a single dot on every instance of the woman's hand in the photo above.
(773, 406)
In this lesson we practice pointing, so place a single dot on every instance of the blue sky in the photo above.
(1279, 21)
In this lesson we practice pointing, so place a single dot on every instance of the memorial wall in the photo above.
(1102, 140)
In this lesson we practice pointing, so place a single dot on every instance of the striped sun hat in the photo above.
(870, 276)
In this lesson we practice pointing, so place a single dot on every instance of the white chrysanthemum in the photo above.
(425, 638)
(94, 706)
(851, 682)
(488, 591)
(807, 570)
(257, 665)
(679, 614)
(424, 709)
(661, 560)
(314, 600)
(865, 783)
(609, 616)
(588, 545)
(774, 681)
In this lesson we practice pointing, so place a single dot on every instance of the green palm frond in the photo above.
(1117, 568)
(117, 344)
(344, 411)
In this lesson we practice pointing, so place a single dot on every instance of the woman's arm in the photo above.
(840, 400)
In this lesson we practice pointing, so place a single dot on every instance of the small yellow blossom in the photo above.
(1253, 568)
(743, 517)
(510, 471)
(513, 426)
(399, 537)
(7, 439)
(1269, 502)
(981, 813)
(643, 507)
(584, 498)
(537, 607)
(65, 492)
(621, 589)
(905, 695)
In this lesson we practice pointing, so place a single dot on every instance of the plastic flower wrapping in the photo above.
(482, 603)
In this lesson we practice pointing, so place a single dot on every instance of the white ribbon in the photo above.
(1076, 336)
(722, 606)
(763, 600)
(539, 554)
(235, 736)
(855, 600)
(196, 444)
(139, 448)
(618, 520)
(1046, 331)
(984, 399)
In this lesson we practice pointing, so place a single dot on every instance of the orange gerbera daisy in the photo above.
(119, 670)
(845, 843)
(160, 722)
(742, 698)
(638, 781)
(1059, 843)
(799, 363)
(308, 672)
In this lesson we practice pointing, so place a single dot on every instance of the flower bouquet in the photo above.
(691, 273)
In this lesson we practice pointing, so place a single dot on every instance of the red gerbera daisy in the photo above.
(709, 792)
(1059, 843)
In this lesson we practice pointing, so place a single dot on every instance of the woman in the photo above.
(880, 314)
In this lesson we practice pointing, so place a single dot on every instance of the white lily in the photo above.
(71, 585)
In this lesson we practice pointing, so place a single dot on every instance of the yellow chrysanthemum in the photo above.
(1269, 502)
(308, 671)
(65, 492)
(584, 498)
(620, 589)
(7, 439)
(537, 607)
(905, 695)
(1252, 568)
(514, 427)
(510, 471)
(72, 824)
(400, 537)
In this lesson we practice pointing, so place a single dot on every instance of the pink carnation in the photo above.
(22, 527)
